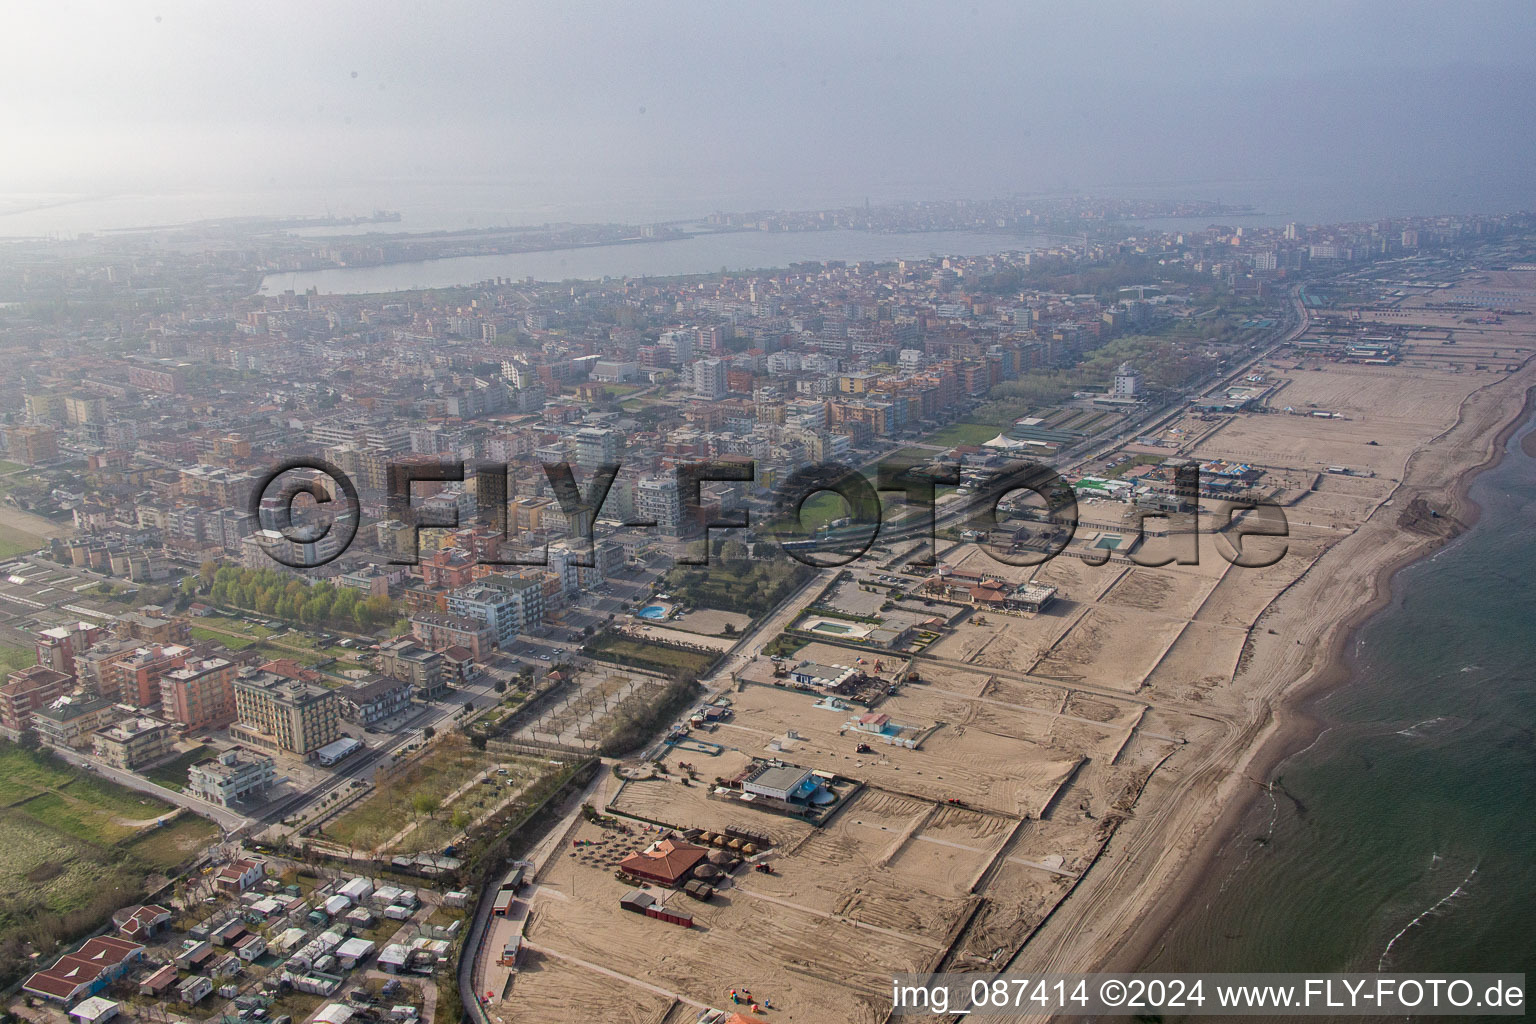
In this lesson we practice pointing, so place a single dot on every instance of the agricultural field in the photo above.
(15, 541)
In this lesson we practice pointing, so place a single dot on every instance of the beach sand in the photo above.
(1162, 857)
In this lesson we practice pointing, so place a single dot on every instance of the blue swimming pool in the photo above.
(652, 611)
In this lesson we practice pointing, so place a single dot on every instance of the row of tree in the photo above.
(269, 592)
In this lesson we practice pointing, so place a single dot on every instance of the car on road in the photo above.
(543, 657)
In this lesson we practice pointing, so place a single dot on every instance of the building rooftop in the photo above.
(783, 777)
(128, 728)
(281, 688)
(231, 763)
(368, 689)
(70, 707)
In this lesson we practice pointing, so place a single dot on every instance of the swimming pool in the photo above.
(652, 611)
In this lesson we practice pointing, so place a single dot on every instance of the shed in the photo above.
(637, 901)
(158, 982)
(195, 989)
(352, 951)
(360, 918)
(94, 1010)
(357, 890)
(394, 958)
(333, 1013)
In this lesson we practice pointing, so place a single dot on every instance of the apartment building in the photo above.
(58, 646)
(439, 630)
(200, 694)
(26, 690)
(371, 701)
(284, 714)
(234, 778)
(137, 676)
(133, 742)
(95, 668)
(32, 445)
(411, 663)
(68, 722)
(508, 604)
(148, 625)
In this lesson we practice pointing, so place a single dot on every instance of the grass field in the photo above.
(963, 433)
(6, 466)
(822, 508)
(13, 658)
(400, 799)
(164, 848)
(14, 541)
(74, 847)
(233, 641)
(657, 657)
(173, 774)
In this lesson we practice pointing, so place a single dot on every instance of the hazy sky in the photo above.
(863, 97)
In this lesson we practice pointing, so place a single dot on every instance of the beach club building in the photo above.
(785, 783)
(668, 863)
(985, 591)
(823, 677)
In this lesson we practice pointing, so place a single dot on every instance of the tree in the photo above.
(428, 732)
(425, 803)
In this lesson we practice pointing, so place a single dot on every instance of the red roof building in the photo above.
(141, 922)
(158, 982)
(93, 967)
(667, 863)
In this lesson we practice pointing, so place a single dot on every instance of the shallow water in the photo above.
(1404, 838)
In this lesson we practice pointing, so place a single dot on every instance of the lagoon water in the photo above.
(699, 254)
(1404, 838)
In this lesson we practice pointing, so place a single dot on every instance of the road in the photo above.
(225, 818)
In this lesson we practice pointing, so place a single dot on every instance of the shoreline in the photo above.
(1292, 724)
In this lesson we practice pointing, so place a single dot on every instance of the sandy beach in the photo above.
(1161, 862)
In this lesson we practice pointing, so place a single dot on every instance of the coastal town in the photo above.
(510, 716)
